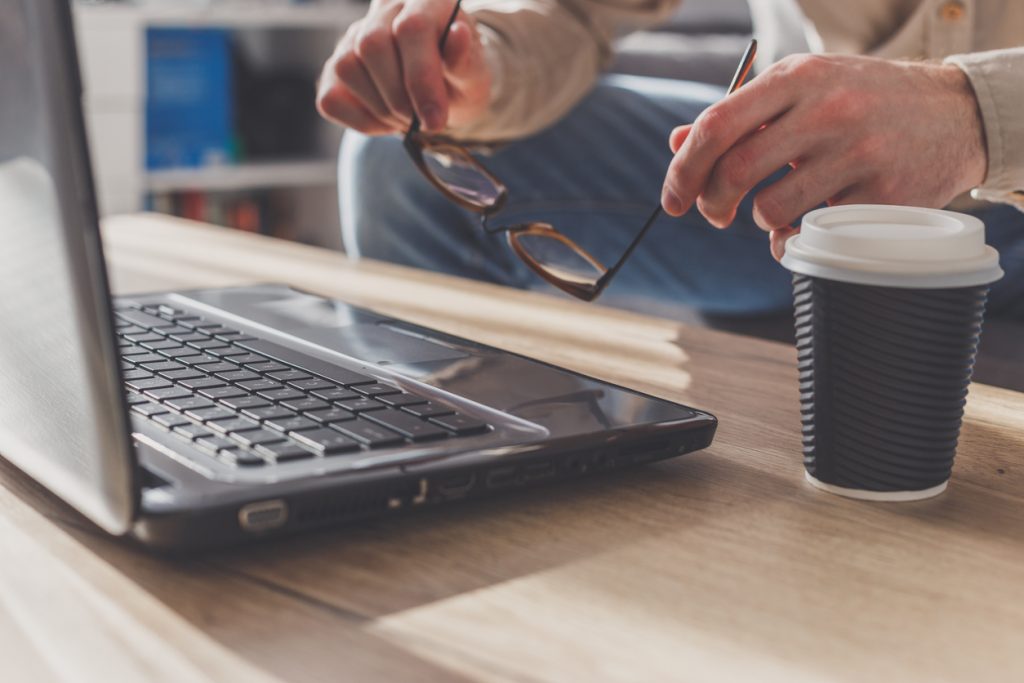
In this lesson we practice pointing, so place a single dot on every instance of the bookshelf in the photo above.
(112, 51)
(238, 177)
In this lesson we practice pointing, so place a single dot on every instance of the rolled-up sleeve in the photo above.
(544, 56)
(997, 77)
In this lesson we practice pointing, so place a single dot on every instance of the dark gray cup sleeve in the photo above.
(884, 374)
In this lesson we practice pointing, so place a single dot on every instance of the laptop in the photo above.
(193, 419)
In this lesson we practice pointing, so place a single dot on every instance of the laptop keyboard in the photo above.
(252, 403)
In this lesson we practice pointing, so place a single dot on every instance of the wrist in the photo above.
(966, 116)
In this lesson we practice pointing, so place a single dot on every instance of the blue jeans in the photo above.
(596, 175)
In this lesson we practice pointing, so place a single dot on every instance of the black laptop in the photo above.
(196, 418)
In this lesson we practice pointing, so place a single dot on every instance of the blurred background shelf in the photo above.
(284, 169)
(230, 14)
(246, 176)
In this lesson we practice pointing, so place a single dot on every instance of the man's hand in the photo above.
(388, 66)
(853, 129)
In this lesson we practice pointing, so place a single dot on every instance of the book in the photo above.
(189, 99)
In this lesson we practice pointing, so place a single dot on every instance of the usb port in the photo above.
(501, 477)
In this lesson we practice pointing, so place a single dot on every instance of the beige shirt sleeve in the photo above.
(998, 80)
(546, 54)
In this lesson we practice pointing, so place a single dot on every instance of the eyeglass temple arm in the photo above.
(746, 62)
(414, 127)
(610, 273)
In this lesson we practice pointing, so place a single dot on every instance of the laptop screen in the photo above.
(62, 417)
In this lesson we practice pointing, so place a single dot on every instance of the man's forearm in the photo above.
(998, 81)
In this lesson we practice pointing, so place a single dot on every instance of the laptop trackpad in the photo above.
(379, 343)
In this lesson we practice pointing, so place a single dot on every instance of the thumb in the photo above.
(461, 51)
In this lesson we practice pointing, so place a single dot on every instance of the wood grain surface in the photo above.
(723, 565)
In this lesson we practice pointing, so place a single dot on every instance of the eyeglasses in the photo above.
(556, 258)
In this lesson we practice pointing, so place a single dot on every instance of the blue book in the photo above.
(189, 98)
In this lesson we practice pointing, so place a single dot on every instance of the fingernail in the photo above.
(432, 117)
(670, 202)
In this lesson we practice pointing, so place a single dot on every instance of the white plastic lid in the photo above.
(893, 246)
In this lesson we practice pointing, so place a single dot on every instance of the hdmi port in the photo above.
(501, 477)
(538, 470)
(457, 485)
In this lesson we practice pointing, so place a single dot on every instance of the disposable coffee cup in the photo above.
(889, 306)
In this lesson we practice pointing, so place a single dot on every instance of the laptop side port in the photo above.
(536, 471)
(500, 477)
(456, 485)
(263, 516)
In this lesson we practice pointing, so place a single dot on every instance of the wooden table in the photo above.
(724, 565)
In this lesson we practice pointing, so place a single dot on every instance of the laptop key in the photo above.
(168, 393)
(266, 366)
(336, 393)
(428, 409)
(373, 390)
(146, 384)
(361, 405)
(232, 425)
(170, 420)
(289, 376)
(401, 400)
(136, 374)
(408, 426)
(305, 403)
(227, 352)
(286, 394)
(268, 413)
(134, 399)
(238, 375)
(283, 451)
(144, 336)
(206, 344)
(216, 443)
(314, 366)
(179, 354)
(143, 319)
(189, 336)
(192, 431)
(199, 359)
(162, 366)
(292, 424)
(217, 367)
(326, 441)
(209, 414)
(461, 424)
(255, 385)
(148, 408)
(160, 345)
(311, 384)
(127, 328)
(242, 458)
(190, 403)
(254, 437)
(329, 415)
(247, 358)
(243, 402)
(201, 382)
(179, 375)
(368, 433)
(220, 393)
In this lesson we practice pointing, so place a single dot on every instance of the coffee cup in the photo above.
(889, 303)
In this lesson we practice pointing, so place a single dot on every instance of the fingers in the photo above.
(678, 137)
(810, 185)
(750, 161)
(377, 53)
(417, 39)
(717, 129)
(778, 239)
